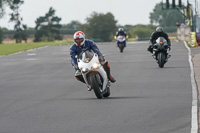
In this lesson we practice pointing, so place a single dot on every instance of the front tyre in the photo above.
(161, 59)
(93, 81)
(107, 94)
(121, 47)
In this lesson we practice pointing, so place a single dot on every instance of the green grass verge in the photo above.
(172, 37)
(6, 49)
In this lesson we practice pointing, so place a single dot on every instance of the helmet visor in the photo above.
(79, 40)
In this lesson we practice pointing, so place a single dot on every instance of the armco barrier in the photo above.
(193, 41)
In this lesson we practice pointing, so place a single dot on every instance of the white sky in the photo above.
(125, 11)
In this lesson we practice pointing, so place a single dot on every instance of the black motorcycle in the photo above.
(161, 51)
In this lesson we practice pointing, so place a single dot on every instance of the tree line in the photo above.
(99, 26)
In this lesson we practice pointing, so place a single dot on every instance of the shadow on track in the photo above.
(111, 98)
(166, 67)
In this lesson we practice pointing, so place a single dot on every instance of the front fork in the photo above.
(155, 53)
(104, 76)
(86, 80)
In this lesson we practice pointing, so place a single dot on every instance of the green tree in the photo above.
(20, 33)
(48, 27)
(127, 28)
(3, 4)
(100, 26)
(71, 28)
(143, 32)
(1, 35)
(73, 25)
(165, 18)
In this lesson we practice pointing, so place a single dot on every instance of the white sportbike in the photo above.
(121, 40)
(94, 74)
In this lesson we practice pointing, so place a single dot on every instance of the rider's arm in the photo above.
(95, 48)
(153, 38)
(73, 54)
(167, 38)
(117, 34)
(125, 34)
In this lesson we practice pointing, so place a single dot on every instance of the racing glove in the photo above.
(76, 67)
(101, 59)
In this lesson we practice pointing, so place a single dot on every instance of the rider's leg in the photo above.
(106, 67)
(150, 48)
(79, 76)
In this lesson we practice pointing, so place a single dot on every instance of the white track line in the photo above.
(31, 59)
(31, 54)
(194, 119)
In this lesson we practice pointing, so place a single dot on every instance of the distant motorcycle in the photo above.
(94, 74)
(161, 51)
(121, 40)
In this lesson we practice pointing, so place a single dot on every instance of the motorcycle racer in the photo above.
(82, 44)
(121, 32)
(158, 33)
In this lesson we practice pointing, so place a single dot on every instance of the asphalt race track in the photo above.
(39, 94)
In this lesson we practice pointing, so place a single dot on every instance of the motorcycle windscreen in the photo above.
(86, 56)
(121, 38)
(161, 41)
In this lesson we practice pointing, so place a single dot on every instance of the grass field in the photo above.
(6, 49)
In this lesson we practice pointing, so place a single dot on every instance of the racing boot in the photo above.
(89, 88)
(111, 78)
(150, 48)
(79, 76)
(107, 69)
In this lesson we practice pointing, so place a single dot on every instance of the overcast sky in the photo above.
(125, 11)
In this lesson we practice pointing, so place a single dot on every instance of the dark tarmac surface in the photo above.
(39, 94)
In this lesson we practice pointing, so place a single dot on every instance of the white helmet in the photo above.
(79, 35)
(120, 29)
(159, 29)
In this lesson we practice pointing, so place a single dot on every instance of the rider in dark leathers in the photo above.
(82, 44)
(122, 33)
(155, 35)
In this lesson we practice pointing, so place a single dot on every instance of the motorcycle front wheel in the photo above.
(161, 59)
(121, 47)
(93, 81)
(107, 94)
